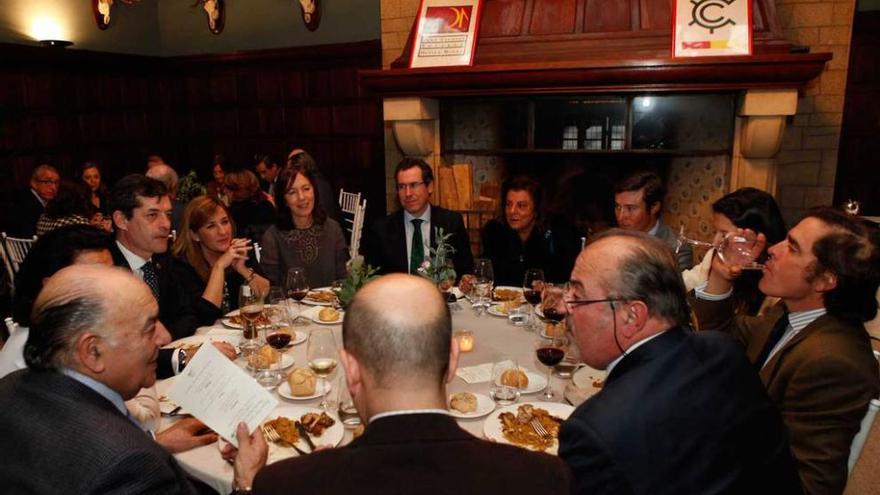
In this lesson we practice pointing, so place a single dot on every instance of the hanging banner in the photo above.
(446, 34)
(707, 28)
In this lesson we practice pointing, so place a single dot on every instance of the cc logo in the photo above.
(709, 14)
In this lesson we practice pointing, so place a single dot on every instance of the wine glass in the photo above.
(321, 355)
(533, 285)
(297, 288)
(483, 280)
(550, 300)
(734, 248)
(250, 306)
(550, 350)
(277, 335)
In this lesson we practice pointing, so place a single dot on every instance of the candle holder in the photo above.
(465, 339)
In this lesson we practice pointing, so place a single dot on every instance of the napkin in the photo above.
(475, 374)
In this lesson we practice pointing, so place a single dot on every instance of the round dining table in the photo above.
(494, 339)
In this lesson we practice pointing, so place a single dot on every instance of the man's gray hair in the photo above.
(647, 271)
(43, 168)
(164, 174)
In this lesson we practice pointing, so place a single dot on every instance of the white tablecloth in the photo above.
(494, 336)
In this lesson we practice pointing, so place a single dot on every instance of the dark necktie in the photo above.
(151, 277)
(417, 253)
(775, 336)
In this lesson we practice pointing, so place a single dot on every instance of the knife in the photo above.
(302, 431)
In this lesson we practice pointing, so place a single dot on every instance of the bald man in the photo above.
(398, 355)
(93, 343)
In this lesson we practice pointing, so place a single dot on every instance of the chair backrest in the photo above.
(861, 437)
(16, 249)
(10, 325)
(258, 251)
(349, 202)
(357, 228)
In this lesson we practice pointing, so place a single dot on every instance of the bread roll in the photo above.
(264, 357)
(328, 314)
(302, 382)
(463, 402)
(515, 378)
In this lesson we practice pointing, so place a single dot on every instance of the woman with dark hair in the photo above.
(522, 237)
(745, 208)
(90, 174)
(212, 262)
(302, 159)
(217, 186)
(248, 206)
(71, 206)
(303, 236)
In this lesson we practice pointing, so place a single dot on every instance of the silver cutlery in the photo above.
(274, 437)
(539, 429)
(305, 434)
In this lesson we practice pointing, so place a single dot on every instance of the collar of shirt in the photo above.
(629, 351)
(797, 321)
(38, 198)
(655, 228)
(403, 412)
(134, 261)
(101, 389)
(425, 216)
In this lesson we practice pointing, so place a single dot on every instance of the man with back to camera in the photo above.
(638, 202)
(398, 354)
(680, 412)
(812, 352)
(395, 245)
(93, 344)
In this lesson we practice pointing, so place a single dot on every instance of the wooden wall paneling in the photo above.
(601, 16)
(553, 17)
(656, 15)
(268, 87)
(320, 84)
(37, 90)
(317, 119)
(246, 88)
(502, 18)
(293, 86)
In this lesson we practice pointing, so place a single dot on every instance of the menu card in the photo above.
(475, 374)
(220, 394)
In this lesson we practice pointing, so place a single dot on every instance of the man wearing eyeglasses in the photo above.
(401, 241)
(680, 412)
(29, 205)
(638, 200)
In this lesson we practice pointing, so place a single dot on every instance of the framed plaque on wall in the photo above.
(707, 28)
(446, 33)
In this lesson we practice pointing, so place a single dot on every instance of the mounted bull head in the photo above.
(311, 13)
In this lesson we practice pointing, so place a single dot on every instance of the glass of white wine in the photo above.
(250, 306)
(321, 354)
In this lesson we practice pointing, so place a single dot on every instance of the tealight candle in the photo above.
(465, 340)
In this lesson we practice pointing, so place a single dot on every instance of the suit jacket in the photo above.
(27, 210)
(682, 413)
(60, 436)
(384, 245)
(417, 453)
(821, 381)
(669, 237)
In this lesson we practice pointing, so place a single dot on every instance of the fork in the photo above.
(539, 429)
(274, 437)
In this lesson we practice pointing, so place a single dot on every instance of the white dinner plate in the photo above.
(284, 390)
(286, 362)
(497, 310)
(311, 302)
(588, 380)
(312, 314)
(537, 382)
(485, 405)
(227, 322)
(197, 340)
(331, 436)
(298, 338)
(492, 425)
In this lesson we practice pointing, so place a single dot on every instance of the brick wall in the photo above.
(397, 19)
(808, 159)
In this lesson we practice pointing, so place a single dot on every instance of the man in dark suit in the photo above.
(92, 345)
(141, 212)
(680, 412)
(395, 245)
(29, 205)
(814, 357)
(638, 201)
(398, 354)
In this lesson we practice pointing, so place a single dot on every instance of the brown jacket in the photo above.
(821, 380)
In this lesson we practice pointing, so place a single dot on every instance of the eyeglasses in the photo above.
(573, 303)
(629, 209)
(411, 185)
(49, 181)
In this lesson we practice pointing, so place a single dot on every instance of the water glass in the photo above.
(503, 395)
(518, 316)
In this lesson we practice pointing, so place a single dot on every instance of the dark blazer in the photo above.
(59, 436)
(27, 210)
(685, 256)
(384, 244)
(682, 413)
(552, 248)
(821, 380)
(417, 453)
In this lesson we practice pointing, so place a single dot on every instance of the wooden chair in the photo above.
(351, 204)
(14, 252)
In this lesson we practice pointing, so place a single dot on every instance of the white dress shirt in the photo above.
(409, 230)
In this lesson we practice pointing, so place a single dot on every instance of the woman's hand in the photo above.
(235, 256)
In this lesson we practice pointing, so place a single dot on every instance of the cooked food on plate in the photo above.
(264, 357)
(328, 314)
(285, 428)
(261, 320)
(515, 378)
(463, 402)
(506, 295)
(302, 382)
(322, 296)
(315, 423)
(518, 430)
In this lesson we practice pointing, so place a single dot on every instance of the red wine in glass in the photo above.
(550, 356)
(298, 295)
(532, 296)
(278, 340)
(553, 315)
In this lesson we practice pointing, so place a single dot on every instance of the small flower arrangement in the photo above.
(189, 187)
(438, 267)
(359, 273)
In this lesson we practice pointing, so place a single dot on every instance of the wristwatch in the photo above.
(240, 490)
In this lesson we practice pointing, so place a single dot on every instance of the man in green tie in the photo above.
(401, 241)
